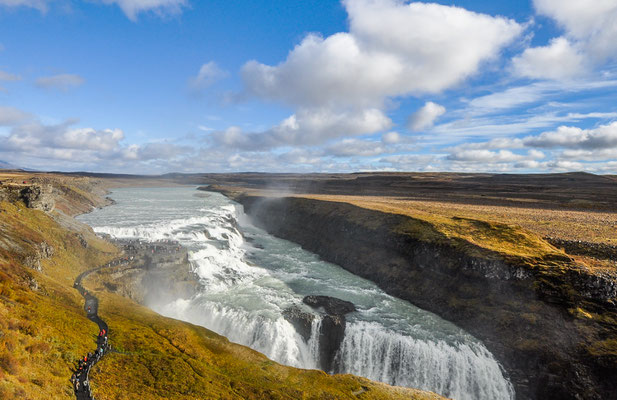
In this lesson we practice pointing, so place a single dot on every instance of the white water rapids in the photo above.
(248, 278)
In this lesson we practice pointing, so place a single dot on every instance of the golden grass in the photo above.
(591, 226)
(162, 358)
(43, 331)
(431, 222)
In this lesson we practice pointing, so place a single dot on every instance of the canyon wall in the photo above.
(552, 325)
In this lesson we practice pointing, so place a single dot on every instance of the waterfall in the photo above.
(269, 334)
(380, 354)
(313, 342)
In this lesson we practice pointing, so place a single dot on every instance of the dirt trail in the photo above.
(79, 379)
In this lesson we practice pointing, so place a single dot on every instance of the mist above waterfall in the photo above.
(249, 278)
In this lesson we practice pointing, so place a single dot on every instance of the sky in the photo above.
(157, 86)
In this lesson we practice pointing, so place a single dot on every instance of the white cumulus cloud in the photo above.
(356, 148)
(34, 136)
(559, 60)
(485, 156)
(391, 137)
(602, 137)
(590, 22)
(305, 127)
(392, 48)
(425, 117)
(588, 39)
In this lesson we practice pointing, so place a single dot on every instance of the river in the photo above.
(248, 278)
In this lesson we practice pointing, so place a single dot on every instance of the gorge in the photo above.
(248, 279)
(529, 310)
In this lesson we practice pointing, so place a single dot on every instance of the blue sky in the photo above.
(155, 86)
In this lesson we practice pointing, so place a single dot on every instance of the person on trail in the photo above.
(77, 386)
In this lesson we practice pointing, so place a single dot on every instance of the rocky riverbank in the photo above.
(551, 323)
(156, 273)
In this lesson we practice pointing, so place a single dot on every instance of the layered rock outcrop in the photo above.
(38, 197)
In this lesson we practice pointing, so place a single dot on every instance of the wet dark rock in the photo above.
(301, 320)
(333, 324)
(331, 336)
(331, 305)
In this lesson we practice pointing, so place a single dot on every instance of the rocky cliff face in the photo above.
(552, 326)
(153, 273)
(38, 197)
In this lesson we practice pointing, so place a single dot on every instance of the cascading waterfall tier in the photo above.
(249, 278)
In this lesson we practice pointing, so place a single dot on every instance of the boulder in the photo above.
(38, 197)
(301, 320)
(331, 305)
(333, 324)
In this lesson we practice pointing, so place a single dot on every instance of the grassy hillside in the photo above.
(43, 329)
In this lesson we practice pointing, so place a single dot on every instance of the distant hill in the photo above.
(5, 165)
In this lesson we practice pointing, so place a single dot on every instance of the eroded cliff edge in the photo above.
(551, 323)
